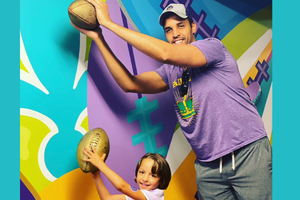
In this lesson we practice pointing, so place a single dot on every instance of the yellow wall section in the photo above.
(239, 39)
(32, 132)
(183, 182)
(22, 66)
(85, 124)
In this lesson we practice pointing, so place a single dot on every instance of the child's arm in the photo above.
(118, 182)
(102, 191)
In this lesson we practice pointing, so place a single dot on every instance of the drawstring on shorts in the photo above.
(221, 160)
(233, 163)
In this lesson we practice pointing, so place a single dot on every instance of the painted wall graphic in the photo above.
(66, 90)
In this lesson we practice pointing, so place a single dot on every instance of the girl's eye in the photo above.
(141, 172)
(154, 175)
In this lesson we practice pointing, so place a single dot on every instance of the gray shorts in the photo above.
(251, 178)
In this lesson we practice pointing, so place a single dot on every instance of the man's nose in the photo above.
(175, 33)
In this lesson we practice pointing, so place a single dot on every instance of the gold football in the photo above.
(99, 139)
(83, 14)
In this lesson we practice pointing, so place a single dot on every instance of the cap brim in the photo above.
(163, 16)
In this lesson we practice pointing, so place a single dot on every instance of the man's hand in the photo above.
(93, 34)
(101, 12)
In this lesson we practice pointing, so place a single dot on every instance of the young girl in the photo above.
(152, 174)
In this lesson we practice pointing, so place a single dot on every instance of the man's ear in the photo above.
(194, 27)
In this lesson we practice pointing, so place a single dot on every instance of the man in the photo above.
(223, 127)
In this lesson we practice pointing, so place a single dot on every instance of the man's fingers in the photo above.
(95, 2)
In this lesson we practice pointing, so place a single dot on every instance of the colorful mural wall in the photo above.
(66, 90)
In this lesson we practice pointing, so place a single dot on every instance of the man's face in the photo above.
(179, 31)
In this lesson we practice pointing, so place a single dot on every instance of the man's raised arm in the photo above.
(148, 82)
(161, 51)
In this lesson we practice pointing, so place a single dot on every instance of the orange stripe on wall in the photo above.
(183, 182)
(71, 186)
(263, 56)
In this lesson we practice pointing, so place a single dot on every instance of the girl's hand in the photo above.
(96, 174)
(93, 157)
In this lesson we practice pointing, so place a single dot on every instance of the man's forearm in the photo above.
(159, 50)
(119, 72)
(148, 45)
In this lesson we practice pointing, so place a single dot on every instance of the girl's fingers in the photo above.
(93, 148)
(87, 152)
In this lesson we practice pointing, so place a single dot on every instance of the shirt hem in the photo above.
(233, 149)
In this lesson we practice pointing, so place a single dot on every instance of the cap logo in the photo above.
(170, 7)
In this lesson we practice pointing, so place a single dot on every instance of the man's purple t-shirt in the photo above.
(155, 194)
(216, 116)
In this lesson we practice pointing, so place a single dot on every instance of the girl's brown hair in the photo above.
(160, 167)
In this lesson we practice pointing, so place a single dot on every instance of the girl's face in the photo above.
(145, 179)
